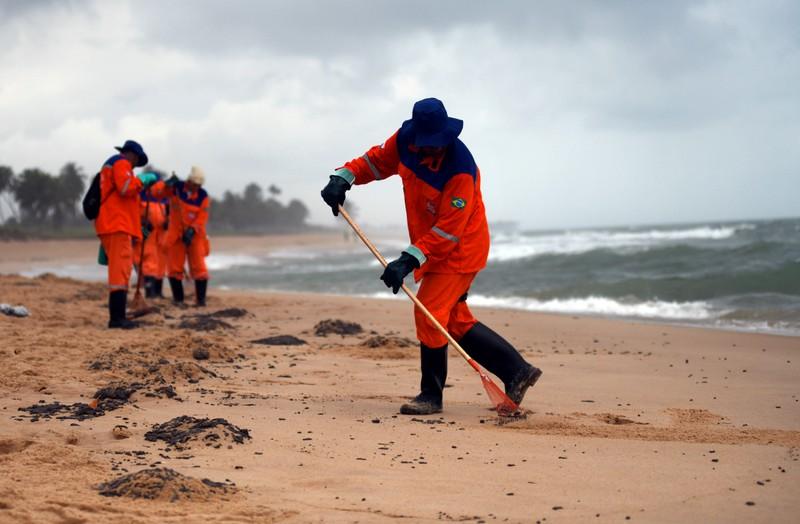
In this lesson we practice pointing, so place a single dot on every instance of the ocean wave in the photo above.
(592, 305)
(512, 247)
(596, 305)
(219, 261)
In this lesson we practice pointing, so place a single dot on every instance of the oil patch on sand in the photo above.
(280, 340)
(184, 431)
(331, 326)
(164, 484)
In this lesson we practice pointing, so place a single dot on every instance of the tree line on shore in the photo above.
(34, 202)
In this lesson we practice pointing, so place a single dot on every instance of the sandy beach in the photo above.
(630, 422)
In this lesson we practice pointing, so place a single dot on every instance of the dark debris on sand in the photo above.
(211, 321)
(109, 398)
(203, 323)
(180, 431)
(77, 411)
(280, 340)
(153, 372)
(118, 391)
(507, 418)
(163, 391)
(382, 341)
(163, 484)
(200, 354)
(337, 327)
(231, 312)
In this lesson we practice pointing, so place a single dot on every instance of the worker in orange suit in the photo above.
(186, 237)
(118, 225)
(449, 246)
(154, 225)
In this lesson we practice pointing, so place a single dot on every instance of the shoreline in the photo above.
(34, 257)
(576, 316)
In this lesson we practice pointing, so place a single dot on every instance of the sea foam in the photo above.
(595, 305)
(510, 247)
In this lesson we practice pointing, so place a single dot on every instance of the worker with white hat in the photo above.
(186, 237)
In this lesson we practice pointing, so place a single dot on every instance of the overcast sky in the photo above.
(578, 113)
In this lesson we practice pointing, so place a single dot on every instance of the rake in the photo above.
(502, 403)
(139, 306)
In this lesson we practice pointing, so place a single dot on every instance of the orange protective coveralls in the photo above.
(118, 224)
(188, 209)
(446, 224)
(155, 250)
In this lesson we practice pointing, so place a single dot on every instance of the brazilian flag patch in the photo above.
(458, 203)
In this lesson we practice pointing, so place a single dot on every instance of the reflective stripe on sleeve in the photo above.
(345, 174)
(417, 253)
(125, 186)
(444, 234)
(375, 172)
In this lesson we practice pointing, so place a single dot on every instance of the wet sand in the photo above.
(42, 255)
(630, 422)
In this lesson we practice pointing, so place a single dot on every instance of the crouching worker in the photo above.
(186, 236)
(118, 224)
(154, 213)
(449, 245)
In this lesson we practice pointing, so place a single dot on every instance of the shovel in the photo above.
(502, 403)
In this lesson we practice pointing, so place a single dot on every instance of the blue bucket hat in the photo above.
(430, 124)
(135, 148)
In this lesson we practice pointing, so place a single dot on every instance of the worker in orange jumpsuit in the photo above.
(186, 236)
(449, 246)
(154, 225)
(118, 225)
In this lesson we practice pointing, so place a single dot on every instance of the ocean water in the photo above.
(740, 275)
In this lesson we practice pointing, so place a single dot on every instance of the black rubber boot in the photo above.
(158, 286)
(117, 302)
(433, 362)
(177, 290)
(149, 287)
(200, 287)
(494, 353)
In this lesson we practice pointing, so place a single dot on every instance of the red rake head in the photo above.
(504, 405)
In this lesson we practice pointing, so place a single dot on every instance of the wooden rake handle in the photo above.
(408, 291)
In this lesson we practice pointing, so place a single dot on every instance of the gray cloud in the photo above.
(578, 113)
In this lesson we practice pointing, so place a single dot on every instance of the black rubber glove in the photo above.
(334, 193)
(397, 270)
(187, 237)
